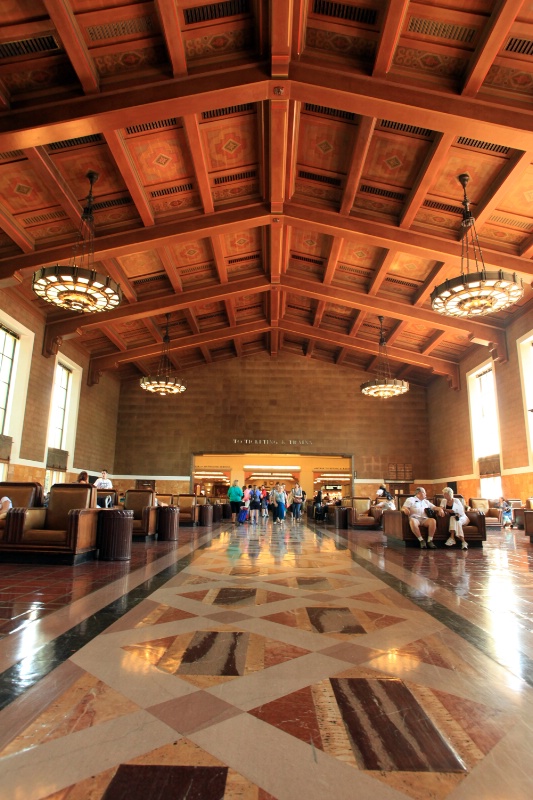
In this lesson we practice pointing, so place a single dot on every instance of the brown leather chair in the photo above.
(361, 514)
(64, 532)
(142, 503)
(529, 503)
(188, 508)
(493, 515)
(22, 495)
(164, 499)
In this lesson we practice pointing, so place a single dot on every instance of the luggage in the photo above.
(243, 514)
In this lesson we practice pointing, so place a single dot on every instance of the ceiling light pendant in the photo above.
(164, 381)
(476, 293)
(77, 286)
(383, 385)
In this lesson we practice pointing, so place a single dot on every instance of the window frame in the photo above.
(73, 402)
(524, 346)
(472, 386)
(18, 390)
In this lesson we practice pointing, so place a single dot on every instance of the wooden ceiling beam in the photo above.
(170, 25)
(231, 313)
(208, 358)
(485, 334)
(74, 45)
(391, 29)
(377, 234)
(435, 277)
(102, 363)
(381, 272)
(319, 313)
(192, 322)
(360, 148)
(414, 105)
(438, 365)
(201, 171)
(115, 271)
(433, 342)
(176, 97)
(282, 12)
(397, 330)
(5, 97)
(333, 258)
(45, 168)
(141, 239)
(428, 173)
(490, 43)
(169, 265)
(122, 156)
(279, 128)
(217, 244)
(15, 231)
(510, 175)
(72, 326)
(276, 251)
(154, 330)
(113, 337)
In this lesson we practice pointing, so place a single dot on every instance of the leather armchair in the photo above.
(362, 516)
(64, 532)
(188, 508)
(22, 495)
(142, 503)
(493, 515)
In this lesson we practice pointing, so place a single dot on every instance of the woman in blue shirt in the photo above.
(235, 496)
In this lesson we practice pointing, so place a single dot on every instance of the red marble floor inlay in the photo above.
(295, 714)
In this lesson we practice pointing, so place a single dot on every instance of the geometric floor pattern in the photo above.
(273, 666)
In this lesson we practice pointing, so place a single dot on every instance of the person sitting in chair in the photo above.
(5, 505)
(458, 518)
(384, 501)
(415, 507)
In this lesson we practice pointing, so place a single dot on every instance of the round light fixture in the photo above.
(477, 293)
(383, 385)
(77, 286)
(164, 381)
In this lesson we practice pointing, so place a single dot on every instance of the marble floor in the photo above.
(260, 662)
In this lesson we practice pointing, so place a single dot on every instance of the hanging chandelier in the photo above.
(476, 293)
(383, 385)
(164, 382)
(76, 286)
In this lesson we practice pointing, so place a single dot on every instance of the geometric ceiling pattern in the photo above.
(273, 175)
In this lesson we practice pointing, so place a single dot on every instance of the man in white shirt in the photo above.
(104, 483)
(415, 508)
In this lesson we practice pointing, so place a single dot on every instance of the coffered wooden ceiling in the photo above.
(275, 175)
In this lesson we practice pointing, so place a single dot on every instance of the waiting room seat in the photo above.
(22, 495)
(529, 503)
(439, 497)
(493, 516)
(142, 503)
(361, 513)
(164, 499)
(188, 508)
(112, 493)
(396, 526)
(62, 533)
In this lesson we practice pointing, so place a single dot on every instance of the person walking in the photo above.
(297, 500)
(235, 495)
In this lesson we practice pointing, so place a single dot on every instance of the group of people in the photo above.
(249, 500)
(422, 514)
(103, 482)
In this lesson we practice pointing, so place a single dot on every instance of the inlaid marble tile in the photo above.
(149, 782)
(194, 712)
(215, 653)
(295, 714)
(163, 614)
(333, 620)
(389, 730)
(232, 596)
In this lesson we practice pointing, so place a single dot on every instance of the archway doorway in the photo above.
(213, 472)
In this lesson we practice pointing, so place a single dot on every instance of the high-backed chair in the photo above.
(64, 532)
(361, 514)
(142, 503)
(22, 495)
(529, 503)
(164, 499)
(112, 493)
(493, 515)
(188, 508)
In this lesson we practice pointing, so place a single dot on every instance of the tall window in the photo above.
(525, 352)
(60, 400)
(484, 413)
(8, 343)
